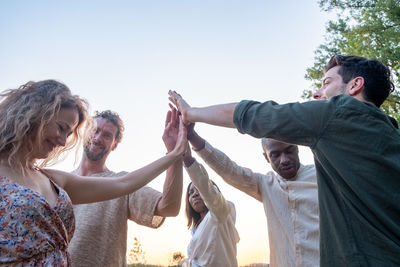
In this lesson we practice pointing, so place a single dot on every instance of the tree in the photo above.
(176, 258)
(367, 28)
(136, 254)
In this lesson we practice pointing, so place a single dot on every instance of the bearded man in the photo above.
(101, 228)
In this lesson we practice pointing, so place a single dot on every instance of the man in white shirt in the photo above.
(101, 228)
(290, 198)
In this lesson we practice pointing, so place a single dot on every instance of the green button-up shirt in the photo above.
(357, 157)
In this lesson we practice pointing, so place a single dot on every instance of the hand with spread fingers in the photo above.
(219, 115)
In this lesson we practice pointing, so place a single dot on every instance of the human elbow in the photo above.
(168, 209)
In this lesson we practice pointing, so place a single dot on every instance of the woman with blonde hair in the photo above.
(38, 121)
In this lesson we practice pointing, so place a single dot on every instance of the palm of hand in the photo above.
(170, 136)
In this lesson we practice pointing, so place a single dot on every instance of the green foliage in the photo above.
(366, 28)
(177, 256)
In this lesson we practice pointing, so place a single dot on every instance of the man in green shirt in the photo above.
(356, 151)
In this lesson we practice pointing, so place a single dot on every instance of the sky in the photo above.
(126, 55)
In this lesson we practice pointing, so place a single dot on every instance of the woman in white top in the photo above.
(211, 218)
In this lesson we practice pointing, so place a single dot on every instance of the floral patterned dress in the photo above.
(32, 233)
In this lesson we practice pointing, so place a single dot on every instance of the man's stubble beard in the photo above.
(94, 156)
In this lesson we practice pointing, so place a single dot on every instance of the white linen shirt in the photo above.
(214, 239)
(291, 207)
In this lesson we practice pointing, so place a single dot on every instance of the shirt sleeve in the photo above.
(211, 196)
(142, 204)
(242, 178)
(297, 123)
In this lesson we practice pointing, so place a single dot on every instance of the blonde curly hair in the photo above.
(24, 113)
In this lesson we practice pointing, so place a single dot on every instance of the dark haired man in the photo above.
(340, 70)
(349, 67)
(289, 196)
(101, 228)
(356, 150)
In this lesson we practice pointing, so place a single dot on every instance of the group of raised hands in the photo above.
(177, 127)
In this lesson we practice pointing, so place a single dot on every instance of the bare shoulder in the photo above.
(59, 177)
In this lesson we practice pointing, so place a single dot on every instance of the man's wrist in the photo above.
(198, 144)
(188, 161)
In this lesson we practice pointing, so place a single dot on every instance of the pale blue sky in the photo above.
(125, 55)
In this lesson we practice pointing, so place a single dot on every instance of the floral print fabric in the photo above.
(32, 233)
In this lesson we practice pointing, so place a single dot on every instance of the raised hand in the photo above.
(181, 142)
(171, 129)
(182, 106)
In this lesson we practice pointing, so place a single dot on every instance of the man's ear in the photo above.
(356, 86)
(266, 157)
(114, 146)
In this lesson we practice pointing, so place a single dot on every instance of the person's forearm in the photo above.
(196, 141)
(211, 196)
(188, 160)
(219, 115)
(170, 202)
(93, 189)
(242, 178)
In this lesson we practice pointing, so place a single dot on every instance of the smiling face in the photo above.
(283, 157)
(195, 200)
(103, 141)
(332, 85)
(56, 132)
